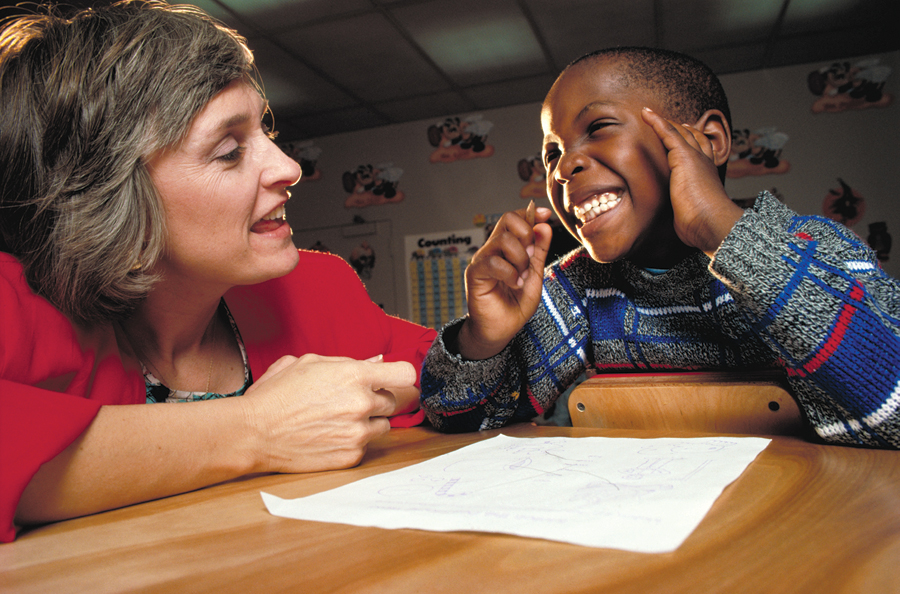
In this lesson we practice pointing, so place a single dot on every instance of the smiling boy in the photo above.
(672, 274)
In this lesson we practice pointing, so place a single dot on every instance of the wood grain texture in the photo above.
(757, 403)
(802, 518)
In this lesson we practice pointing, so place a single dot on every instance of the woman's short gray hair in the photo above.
(84, 101)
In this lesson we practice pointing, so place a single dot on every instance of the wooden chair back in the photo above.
(757, 403)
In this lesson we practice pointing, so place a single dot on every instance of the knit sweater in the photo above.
(801, 293)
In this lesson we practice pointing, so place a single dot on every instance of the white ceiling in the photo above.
(333, 66)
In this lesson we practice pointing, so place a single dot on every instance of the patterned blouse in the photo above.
(157, 392)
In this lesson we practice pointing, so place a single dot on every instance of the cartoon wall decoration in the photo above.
(842, 86)
(757, 152)
(307, 155)
(437, 265)
(879, 240)
(372, 186)
(362, 259)
(456, 140)
(844, 204)
(531, 171)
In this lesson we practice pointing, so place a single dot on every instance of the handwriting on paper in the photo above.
(637, 494)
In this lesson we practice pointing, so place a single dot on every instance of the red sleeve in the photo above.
(322, 307)
(35, 426)
(53, 380)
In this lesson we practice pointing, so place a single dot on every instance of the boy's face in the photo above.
(607, 171)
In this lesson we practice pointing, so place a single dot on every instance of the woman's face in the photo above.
(223, 191)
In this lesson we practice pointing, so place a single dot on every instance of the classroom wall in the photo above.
(859, 146)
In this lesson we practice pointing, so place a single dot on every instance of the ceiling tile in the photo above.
(572, 28)
(277, 15)
(804, 16)
(425, 106)
(827, 46)
(333, 66)
(215, 10)
(366, 55)
(722, 22)
(291, 87)
(475, 41)
(735, 58)
(334, 122)
(501, 94)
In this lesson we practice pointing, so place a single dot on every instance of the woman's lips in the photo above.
(270, 222)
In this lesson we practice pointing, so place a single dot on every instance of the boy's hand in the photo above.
(704, 214)
(504, 283)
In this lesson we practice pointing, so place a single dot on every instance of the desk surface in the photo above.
(802, 518)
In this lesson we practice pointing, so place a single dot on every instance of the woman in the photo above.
(147, 259)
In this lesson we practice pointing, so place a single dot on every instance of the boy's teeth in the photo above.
(595, 206)
(276, 214)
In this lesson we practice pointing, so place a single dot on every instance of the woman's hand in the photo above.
(704, 214)
(504, 283)
(320, 413)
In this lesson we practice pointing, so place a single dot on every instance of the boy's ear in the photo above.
(715, 127)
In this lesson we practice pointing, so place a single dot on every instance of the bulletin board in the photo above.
(437, 264)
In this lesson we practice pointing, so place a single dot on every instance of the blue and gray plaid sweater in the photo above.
(797, 292)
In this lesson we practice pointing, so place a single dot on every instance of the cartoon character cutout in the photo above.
(455, 139)
(372, 186)
(531, 171)
(844, 205)
(307, 155)
(362, 259)
(842, 86)
(757, 152)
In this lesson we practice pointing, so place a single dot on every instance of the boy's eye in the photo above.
(596, 126)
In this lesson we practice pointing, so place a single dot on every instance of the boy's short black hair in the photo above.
(684, 85)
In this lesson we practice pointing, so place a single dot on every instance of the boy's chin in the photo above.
(603, 255)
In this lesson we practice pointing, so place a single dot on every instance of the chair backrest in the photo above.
(757, 403)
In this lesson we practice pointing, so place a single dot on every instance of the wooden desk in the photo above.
(802, 518)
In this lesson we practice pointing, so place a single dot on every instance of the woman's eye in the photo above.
(232, 156)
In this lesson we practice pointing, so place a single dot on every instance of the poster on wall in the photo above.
(757, 152)
(372, 185)
(436, 279)
(456, 139)
(843, 86)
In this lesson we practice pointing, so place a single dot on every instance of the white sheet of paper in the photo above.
(644, 495)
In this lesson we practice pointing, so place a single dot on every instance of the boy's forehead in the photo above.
(595, 80)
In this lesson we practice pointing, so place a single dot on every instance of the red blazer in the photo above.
(54, 376)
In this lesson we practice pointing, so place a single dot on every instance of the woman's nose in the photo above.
(282, 170)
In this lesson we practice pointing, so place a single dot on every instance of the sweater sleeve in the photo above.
(817, 296)
(520, 382)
